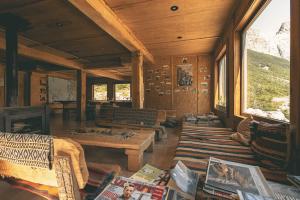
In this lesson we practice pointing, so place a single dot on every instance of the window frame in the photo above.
(222, 107)
(222, 54)
(93, 92)
(130, 92)
(242, 55)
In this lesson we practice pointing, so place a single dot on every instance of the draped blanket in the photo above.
(27, 149)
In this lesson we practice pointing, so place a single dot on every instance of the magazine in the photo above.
(173, 194)
(295, 180)
(152, 174)
(185, 179)
(125, 188)
(224, 178)
(250, 196)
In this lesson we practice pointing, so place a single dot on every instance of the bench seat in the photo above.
(197, 144)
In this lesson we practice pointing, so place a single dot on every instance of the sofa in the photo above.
(68, 176)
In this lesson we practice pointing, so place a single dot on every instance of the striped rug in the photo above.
(197, 144)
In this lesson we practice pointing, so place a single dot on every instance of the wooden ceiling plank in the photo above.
(100, 13)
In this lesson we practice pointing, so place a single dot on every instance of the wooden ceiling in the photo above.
(199, 23)
(57, 25)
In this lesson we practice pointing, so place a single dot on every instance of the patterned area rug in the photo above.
(98, 179)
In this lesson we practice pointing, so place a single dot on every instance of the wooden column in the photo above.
(81, 95)
(295, 80)
(11, 72)
(27, 88)
(137, 80)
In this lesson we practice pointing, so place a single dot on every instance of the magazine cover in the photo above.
(152, 174)
(228, 177)
(122, 188)
(185, 178)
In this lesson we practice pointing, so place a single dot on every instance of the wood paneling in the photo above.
(35, 88)
(152, 98)
(185, 98)
(196, 20)
(194, 99)
(204, 76)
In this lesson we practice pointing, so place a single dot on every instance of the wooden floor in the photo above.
(161, 157)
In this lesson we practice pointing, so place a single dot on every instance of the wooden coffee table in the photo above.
(134, 146)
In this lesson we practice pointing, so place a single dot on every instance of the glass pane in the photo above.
(266, 89)
(222, 82)
(122, 92)
(100, 92)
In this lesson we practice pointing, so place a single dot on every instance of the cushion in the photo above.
(244, 127)
(275, 131)
(270, 142)
(240, 138)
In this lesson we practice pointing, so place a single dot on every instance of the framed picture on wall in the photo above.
(184, 74)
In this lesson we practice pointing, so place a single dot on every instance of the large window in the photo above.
(222, 83)
(100, 92)
(122, 92)
(266, 63)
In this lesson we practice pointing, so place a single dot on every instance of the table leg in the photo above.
(150, 148)
(135, 159)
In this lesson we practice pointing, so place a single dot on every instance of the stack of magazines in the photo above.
(150, 183)
(225, 179)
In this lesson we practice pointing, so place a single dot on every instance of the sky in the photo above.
(275, 13)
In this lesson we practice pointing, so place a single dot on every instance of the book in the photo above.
(152, 174)
(295, 180)
(224, 178)
(125, 188)
(284, 192)
(185, 179)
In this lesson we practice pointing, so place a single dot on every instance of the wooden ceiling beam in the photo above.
(102, 15)
(45, 56)
(105, 73)
(41, 55)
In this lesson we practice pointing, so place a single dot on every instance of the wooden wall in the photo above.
(163, 92)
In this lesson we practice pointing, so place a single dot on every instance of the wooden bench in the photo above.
(145, 119)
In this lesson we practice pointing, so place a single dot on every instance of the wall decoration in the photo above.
(204, 84)
(204, 91)
(184, 75)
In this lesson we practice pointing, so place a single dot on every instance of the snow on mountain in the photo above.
(277, 44)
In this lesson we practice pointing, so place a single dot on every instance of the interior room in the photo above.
(149, 99)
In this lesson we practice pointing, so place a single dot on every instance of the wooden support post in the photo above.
(81, 95)
(137, 80)
(11, 72)
(27, 88)
(12, 25)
